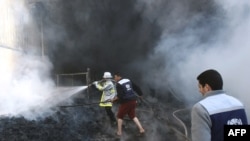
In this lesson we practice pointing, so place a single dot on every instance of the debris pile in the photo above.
(89, 123)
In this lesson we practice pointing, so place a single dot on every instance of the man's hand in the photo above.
(95, 83)
(114, 99)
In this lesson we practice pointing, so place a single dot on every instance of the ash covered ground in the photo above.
(89, 122)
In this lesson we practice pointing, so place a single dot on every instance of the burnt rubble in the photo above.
(90, 123)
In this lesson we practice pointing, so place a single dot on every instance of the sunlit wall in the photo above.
(7, 36)
(18, 33)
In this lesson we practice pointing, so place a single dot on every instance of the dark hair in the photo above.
(212, 78)
(117, 73)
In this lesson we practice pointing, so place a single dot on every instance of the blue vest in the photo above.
(127, 89)
(223, 110)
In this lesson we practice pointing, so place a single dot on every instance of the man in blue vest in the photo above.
(127, 98)
(215, 110)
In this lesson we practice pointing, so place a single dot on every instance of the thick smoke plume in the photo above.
(163, 45)
(214, 37)
(160, 44)
(26, 84)
(27, 89)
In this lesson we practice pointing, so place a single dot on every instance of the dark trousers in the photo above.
(110, 114)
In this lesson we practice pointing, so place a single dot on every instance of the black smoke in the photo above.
(149, 41)
(102, 35)
(145, 40)
(122, 35)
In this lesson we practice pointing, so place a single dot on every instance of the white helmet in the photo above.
(107, 75)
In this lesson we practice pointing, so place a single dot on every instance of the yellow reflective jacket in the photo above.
(108, 92)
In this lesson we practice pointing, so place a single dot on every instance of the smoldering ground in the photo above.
(161, 45)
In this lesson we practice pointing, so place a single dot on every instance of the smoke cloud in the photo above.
(213, 37)
(162, 45)
(26, 84)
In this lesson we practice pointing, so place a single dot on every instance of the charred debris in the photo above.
(90, 123)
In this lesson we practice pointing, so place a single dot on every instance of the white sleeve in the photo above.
(200, 124)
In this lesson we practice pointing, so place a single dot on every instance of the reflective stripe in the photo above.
(221, 103)
(109, 92)
(123, 81)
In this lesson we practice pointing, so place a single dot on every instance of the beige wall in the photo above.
(18, 33)
(17, 27)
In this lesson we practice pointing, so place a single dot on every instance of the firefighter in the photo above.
(108, 92)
